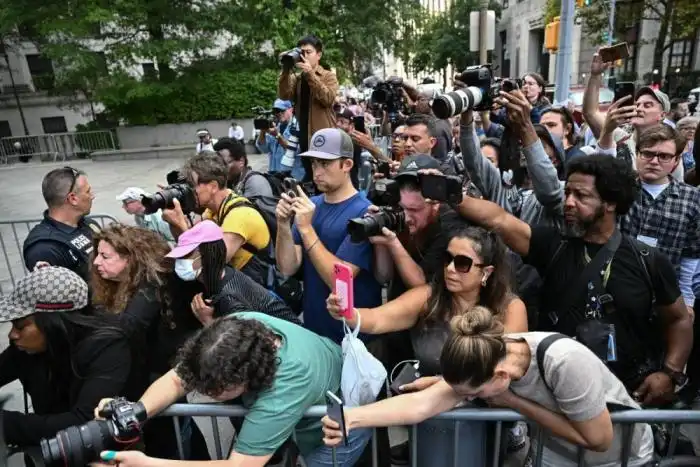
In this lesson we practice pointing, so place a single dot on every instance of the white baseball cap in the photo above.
(132, 193)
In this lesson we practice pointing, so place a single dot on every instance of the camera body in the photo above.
(389, 96)
(80, 445)
(386, 195)
(290, 58)
(482, 88)
(178, 188)
(264, 118)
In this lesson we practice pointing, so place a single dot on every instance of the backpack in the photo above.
(264, 213)
(265, 205)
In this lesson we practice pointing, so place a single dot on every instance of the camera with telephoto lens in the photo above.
(292, 147)
(482, 88)
(290, 58)
(263, 118)
(80, 445)
(386, 195)
(178, 189)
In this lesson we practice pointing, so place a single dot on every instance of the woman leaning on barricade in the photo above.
(131, 279)
(65, 360)
(476, 272)
(555, 382)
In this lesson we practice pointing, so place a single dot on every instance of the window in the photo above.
(5, 129)
(505, 4)
(681, 55)
(41, 70)
(149, 71)
(54, 125)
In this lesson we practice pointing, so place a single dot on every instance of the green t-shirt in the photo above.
(309, 365)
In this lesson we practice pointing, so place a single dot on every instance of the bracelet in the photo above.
(312, 245)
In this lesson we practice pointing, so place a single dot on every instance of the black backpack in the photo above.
(265, 205)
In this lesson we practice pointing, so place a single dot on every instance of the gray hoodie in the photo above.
(543, 205)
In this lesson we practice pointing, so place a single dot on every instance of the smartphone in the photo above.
(334, 408)
(359, 122)
(289, 185)
(614, 52)
(408, 374)
(342, 278)
(442, 188)
(624, 89)
(384, 168)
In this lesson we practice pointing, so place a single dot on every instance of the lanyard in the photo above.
(606, 272)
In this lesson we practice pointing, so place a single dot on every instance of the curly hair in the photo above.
(615, 180)
(145, 252)
(495, 295)
(229, 352)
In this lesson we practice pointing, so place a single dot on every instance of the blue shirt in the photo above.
(330, 223)
(276, 151)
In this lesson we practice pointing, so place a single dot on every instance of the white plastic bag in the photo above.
(363, 375)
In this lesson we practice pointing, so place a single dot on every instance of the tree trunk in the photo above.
(660, 45)
(155, 31)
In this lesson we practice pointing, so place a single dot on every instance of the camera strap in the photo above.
(593, 278)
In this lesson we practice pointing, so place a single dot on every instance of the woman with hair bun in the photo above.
(568, 396)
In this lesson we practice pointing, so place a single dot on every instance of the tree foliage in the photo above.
(676, 19)
(444, 38)
(196, 44)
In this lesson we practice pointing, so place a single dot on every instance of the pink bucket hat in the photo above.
(204, 232)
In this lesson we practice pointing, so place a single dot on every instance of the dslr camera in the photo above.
(482, 88)
(263, 118)
(386, 195)
(290, 58)
(80, 445)
(177, 189)
(388, 95)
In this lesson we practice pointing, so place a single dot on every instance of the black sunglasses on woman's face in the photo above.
(462, 263)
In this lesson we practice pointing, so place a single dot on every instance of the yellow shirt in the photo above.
(246, 222)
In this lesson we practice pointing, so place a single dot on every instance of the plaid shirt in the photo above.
(673, 219)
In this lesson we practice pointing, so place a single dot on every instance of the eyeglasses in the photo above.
(462, 263)
(662, 156)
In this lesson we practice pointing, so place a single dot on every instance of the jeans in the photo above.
(346, 456)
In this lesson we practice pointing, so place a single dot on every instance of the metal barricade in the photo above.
(497, 416)
(12, 235)
(56, 146)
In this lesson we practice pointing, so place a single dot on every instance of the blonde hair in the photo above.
(474, 349)
(145, 252)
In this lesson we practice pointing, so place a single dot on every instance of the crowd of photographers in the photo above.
(530, 262)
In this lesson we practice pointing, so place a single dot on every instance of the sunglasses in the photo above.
(75, 173)
(462, 263)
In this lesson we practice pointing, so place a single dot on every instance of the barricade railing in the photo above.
(55, 146)
(12, 235)
(676, 418)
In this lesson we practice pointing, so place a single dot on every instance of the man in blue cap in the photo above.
(276, 140)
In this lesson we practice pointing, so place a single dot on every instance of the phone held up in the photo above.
(614, 52)
(343, 288)
(442, 188)
(334, 408)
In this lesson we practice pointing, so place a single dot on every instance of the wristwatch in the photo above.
(678, 377)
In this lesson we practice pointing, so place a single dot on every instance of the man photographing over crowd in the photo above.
(313, 92)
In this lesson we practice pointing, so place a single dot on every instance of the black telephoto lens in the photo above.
(78, 445)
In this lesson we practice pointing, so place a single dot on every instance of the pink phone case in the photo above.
(342, 275)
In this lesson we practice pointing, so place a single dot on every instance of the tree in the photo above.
(444, 39)
(677, 19)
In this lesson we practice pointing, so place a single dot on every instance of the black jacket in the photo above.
(63, 396)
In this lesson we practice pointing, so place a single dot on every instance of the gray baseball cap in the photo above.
(661, 97)
(330, 144)
(47, 289)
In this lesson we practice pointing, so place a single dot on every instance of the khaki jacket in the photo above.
(323, 85)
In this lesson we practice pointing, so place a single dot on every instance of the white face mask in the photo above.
(184, 268)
